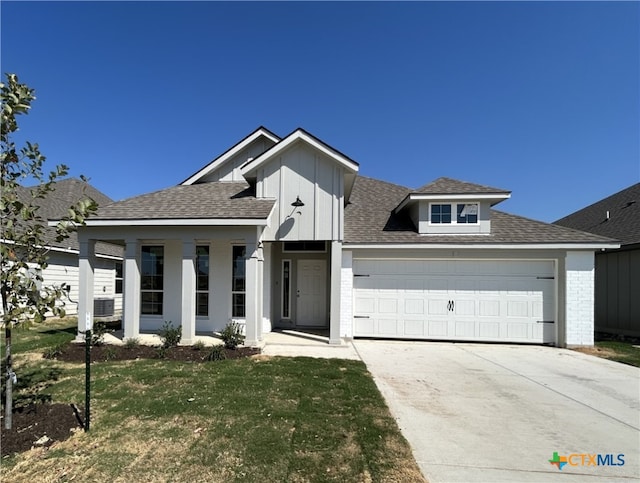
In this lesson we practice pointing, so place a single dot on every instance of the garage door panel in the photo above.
(456, 300)
(414, 328)
(364, 304)
(414, 306)
(437, 306)
(388, 306)
(489, 330)
(389, 327)
(437, 329)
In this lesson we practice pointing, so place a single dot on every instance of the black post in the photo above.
(87, 400)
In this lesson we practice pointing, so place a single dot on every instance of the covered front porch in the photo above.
(203, 278)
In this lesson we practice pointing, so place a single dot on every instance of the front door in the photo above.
(311, 293)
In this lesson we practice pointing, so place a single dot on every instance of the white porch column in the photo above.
(131, 309)
(86, 264)
(188, 319)
(335, 278)
(266, 287)
(253, 315)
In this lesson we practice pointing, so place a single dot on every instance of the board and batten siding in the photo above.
(318, 181)
(230, 170)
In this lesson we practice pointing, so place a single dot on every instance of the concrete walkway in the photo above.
(498, 413)
(302, 344)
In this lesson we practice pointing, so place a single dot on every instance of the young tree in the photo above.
(24, 233)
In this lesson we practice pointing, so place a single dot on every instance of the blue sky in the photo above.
(541, 98)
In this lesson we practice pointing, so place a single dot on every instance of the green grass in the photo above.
(260, 419)
(624, 352)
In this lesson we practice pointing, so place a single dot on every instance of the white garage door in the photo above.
(488, 300)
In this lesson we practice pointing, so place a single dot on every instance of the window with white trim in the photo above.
(202, 280)
(151, 280)
(238, 283)
(286, 289)
(465, 213)
(119, 277)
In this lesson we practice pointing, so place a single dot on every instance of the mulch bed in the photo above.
(39, 425)
(58, 421)
(102, 353)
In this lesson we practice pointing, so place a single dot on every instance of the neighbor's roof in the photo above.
(370, 219)
(216, 200)
(55, 205)
(624, 216)
(449, 186)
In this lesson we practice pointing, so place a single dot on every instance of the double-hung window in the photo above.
(151, 280)
(202, 281)
(238, 283)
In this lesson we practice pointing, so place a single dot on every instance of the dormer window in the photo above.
(466, 213)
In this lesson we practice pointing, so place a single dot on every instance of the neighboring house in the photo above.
(63, 256)
(617, 299)
(282, 232)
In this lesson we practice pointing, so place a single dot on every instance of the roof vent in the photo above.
(608, 216)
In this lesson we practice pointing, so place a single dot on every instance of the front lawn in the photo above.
(255, 419)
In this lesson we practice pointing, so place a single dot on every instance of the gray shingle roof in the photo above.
(624, 216)
(198, 201)
(449, 186)
(66, 193)
(369, 218)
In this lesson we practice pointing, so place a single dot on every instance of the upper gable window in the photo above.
(466, 213)
(440, 213)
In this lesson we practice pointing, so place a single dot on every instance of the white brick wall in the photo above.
(579, 303)
(346, 295)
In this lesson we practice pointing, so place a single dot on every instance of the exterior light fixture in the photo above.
(297, 203)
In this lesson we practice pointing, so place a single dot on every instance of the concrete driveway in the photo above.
(484, 412)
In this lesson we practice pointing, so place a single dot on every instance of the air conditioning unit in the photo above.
(103, 307)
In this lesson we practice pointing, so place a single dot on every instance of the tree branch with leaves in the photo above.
(25, 236)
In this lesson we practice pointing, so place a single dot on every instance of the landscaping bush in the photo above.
(131, 343)
(170, 335)
(216, 353)
(53, 352)
(199, 345)
(232, 335)
(98, 332)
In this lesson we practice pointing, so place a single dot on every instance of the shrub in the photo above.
(232, 335)
(198, 346)
(161, 352)
(110, 353)
(98, 332)
(53, 352)
(216, 353)
(131, 343)
(170, 335)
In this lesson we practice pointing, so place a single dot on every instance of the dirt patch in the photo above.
(597, 351)
(103, 353)
(39, 425)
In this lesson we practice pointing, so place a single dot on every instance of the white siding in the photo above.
(303, 172)
(346, 295)
(63, 269)
(230, 170)
(579, 294)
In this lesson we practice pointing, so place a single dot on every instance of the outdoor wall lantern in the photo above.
(297, 203)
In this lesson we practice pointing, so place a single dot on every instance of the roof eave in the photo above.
(249, 170)
(495, 198)
(236, 148)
